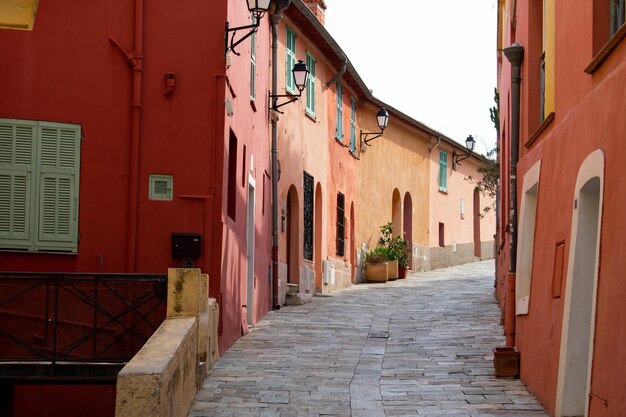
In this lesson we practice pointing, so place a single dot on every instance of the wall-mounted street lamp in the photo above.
(300, 75)
(258, 9)
(382, 118)
(458, 157)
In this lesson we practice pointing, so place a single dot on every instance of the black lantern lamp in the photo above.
(382, 118)
(458, 157)
(300, 76)
(258, 9)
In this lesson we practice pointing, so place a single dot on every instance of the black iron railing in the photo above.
(53, 319)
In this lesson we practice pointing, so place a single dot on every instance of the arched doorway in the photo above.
(407, 231)
(293, 236)
(396, 212)
(577, 347)
(317, 237)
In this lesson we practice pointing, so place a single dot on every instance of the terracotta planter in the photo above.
(506, 362)
(392, 270)
(376, 272)
(402, 271)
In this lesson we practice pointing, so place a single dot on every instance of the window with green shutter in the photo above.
(443, 171)
(618, 15)
(310, 86)
(339, 129)
(39, 183)
(253, 62)
(290, 83)
(352, 125)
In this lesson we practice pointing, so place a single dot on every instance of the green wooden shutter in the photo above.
(59, 165)
(290, 83)
(310, 87)
(443, 171)
(352, 125)
(17, 138)
(253, 62)
(339, 112)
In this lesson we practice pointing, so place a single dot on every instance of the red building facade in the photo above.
(562, 74)
(159, 136)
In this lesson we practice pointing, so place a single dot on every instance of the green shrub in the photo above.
(377, 255)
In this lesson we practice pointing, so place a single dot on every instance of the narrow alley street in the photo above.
(419, 346)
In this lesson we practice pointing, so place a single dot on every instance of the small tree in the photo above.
(488, 185)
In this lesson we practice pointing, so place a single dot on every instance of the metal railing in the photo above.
(53, 320)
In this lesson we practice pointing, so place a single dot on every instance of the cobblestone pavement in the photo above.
(331, 357)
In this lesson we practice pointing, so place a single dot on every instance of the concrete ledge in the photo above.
(161, 379)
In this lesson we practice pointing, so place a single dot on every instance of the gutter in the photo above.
(515, 55)
(135, 60)
(275, 19)
(342, 70)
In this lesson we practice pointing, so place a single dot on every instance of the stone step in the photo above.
(293, 288)
(298, 299)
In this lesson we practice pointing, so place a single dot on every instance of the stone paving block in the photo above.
(317, 360)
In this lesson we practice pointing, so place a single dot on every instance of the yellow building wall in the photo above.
(445, 207)
(396, 161)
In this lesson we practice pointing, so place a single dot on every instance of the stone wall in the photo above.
(445, 257)
(336, 275)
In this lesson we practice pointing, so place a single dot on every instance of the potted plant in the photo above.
(402, 252)
(386, 242)
(376, 265)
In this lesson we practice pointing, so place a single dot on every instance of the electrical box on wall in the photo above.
(186, 245)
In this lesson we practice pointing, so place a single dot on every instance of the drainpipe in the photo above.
(515, 54)
(135, 60)
(342, 70)
(275, 19)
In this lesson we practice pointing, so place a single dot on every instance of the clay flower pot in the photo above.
(506, 362)
(376, 272)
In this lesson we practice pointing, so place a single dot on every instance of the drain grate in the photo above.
(379, 335)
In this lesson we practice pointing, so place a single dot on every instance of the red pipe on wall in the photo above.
(135, 60)
(135, 140)
(509, 315)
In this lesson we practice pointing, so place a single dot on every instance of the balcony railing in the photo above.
(53, 322)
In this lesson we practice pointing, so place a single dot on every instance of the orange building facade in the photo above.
(332, 194)
(562, 72)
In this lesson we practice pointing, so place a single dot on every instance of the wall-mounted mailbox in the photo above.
(186, 245)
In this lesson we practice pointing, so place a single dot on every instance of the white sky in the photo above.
(434, 60)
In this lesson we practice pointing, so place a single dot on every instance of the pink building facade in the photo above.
(562, 73)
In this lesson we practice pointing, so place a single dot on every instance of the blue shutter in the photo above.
(339, 132)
